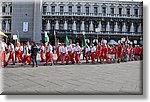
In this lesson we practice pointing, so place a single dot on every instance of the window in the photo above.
(128, 27)
(44, 9)
(61, 9)
(10, 9)
(69, 25)
(136, 27)
(120, 11)
(120, 27)
(3, 9)
(78, 10)
(78, 26)
(87, 10)
(103, 26)
(136, 12)
(53, 9)
(112, 11)
(111, 27)
(95, 10)
(104, 10)
(70, 9)
(87, 26)
(128, 12)
(61, 25)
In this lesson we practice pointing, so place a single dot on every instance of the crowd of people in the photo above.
(26, 53)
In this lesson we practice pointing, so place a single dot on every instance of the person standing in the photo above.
(69, 51)
(34, 51)
(65, 56)
(77, 53)
(17, 53)
(49, 54)
(119, 53)
(98, 52)
(11, 54)
(42, 51)
(59, 51)
(73, 54)
(87, 53)
(3, 53)
(93, 51)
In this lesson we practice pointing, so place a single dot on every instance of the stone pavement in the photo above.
(123, 78)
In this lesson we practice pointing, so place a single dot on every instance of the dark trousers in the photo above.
(34, 59)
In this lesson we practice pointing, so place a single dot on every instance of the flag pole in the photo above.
(55, 38)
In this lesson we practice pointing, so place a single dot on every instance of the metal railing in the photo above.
(90, 14)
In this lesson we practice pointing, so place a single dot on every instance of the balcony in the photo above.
(105, 33)
(91, 15)
(5, 14)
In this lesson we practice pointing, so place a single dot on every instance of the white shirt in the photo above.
(87, 49)
(42, 48)
(64, 50)
(60, 49)
(2, 46)
(69, 47)
(77, 49)
(26, 50)
(21, 48)
(16, 48)
(11, 47)
(93, 49)
(49, 48)
(73, 49)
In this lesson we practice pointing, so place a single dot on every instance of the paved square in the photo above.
(123, 78)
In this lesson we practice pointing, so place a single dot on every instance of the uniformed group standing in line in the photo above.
(102, 53)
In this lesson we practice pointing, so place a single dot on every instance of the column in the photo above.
(132, 11)
(100, 26)
(74, 26)
(65, 25)
(116, 11)
(48, 25)
(108, 10)
(139, 28)
(116, 27)
(132, 28)
(0, 8)
(0, 25)
(91, 27)
(56, 25)
(108, 27)
(124, 27)
(82, 26)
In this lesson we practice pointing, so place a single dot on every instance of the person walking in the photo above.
(34, 51)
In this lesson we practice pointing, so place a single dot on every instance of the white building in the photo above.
(114, 19)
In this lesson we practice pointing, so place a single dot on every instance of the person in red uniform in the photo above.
(73, 54)
(65, 56)
(87, 53)
(109, 49)
(119, 53)
(69, 51)
(59, 52)
(42, 52)
(77, 53)
(104, 53)
(21, 51)
(26, 55)
(137, 52)
(131, 53)
(17, 53)
(98, 52)
(93, 52)
(49, 54)
(11, 54)
(3, 52)
(114, 52)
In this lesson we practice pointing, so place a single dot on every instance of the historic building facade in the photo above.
(95, 19)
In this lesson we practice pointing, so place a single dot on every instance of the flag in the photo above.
(67, 40)
(84, 42)
(3, 34)
(18, 38)
(46, 37)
